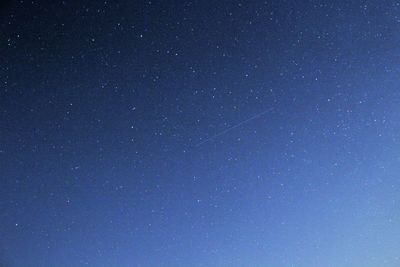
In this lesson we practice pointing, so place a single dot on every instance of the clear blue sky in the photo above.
(200, 133)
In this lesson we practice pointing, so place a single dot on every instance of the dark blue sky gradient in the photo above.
(200, 133)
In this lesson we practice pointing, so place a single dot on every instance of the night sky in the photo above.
(200, 133)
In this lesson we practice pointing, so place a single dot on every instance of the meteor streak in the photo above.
(233, 127)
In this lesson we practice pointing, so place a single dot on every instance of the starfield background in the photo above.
(200, 133)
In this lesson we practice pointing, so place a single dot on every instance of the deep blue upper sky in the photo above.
(200, 133)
